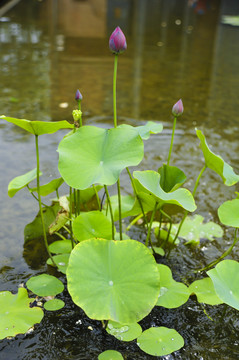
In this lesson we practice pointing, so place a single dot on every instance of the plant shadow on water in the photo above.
(124, 271)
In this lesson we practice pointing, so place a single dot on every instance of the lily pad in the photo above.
(54, 305)
(228, 213)
(50, 187)
(61, 261)
(113, 280)
(146, 130)
(39, 127)
(61, 247)
(160, 341)
(21, 181)
(193, 229)
(216, 163)
(150, 181)
(16, 316)
(205, 292)
(127, 332)
(93, 224)
(95, 155)
(45, 285)
(110, 355)
(225, 278)
(172, 293)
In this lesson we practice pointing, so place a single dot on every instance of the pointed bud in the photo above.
(117, 43)
(177, 109)
(78, 96)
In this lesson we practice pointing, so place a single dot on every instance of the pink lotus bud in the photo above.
(78, 96)
(177, 109)
(117, 43)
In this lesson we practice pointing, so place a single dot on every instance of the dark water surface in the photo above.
(50, 48)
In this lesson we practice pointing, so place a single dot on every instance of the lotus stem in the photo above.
(97, 198)
(111, 212)
(71, 231)
(172, 138)
(150, 225)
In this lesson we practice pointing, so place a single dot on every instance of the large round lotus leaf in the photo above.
(172, 293)
(160, 341)
(45, 285)
(93, 224)
(205, 292)
(95, 155)
(150, 181)
(113, 280)
(39, 127)
(228, 213)
(124, 332)
(225, 278)
(110, 355)
(16, 316)
(21, 181)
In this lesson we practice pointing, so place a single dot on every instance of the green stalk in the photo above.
(111, 212)
(78, 201)
(227, 252)
(120, 214)
(150, 225)
(171, 145)
(79, 107)
(71, 232)
(39, 201)
(97, 197)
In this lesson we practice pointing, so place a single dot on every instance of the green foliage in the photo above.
(225, 278)
(160, 341)
(61, 262)
(94, 155)
(49, 188)
(16, 317)
(54, 305)
(61, 247)
(146, 130)
(228, 213)
(172, 293)
(45, 285)
(21, 181)
(113, 280)
(110, 355)
(205, 292)
(127, 332)
(171, 178)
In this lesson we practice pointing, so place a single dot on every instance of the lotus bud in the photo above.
(117, 42)
(78, 96)
(177, 109)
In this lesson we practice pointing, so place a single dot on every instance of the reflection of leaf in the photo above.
(21, 181)
(193, 229)
(205, 292)
(16, 316)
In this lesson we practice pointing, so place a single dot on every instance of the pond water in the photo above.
(176, 49)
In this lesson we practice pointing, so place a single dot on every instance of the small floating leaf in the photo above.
(228, 213)
(172, 293)
(16, 316)
(160, 341)
(50, 187)
(21, 181)
(205, 292)
(216, 163)
(127, 332)
(110, 355)
(61, 247)
(54, 304)
(45, 285)
(225, 278)
(61, 262)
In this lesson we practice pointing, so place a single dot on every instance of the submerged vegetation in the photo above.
(113, 278)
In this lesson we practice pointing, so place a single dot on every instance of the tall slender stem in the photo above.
(172, 137)
(39, 201)
(150, 225)
(111, 212)
(97, 197)
(120, 215)
(71, 231)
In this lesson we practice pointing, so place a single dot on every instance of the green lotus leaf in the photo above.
(163, 234)
(228, 213)
(150, 181)
(54, 304)
(95, 155)
(110, 355)
(45, 285)
(61, 247)
(158, 250)
(225, 278)
(171, 178)
(21, 181)
(39, 127)
(193, 229)
(216, 163)
(205, 292)
(127, 203)
(16, 316)
(50, 187)
(87, 194)
(124, 332)
(113, 280)
(172, 293)
(93, 224)
(146, 130)
(160, 341)
(61, 262)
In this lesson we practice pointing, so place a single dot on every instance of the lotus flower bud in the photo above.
(78, 95)
(177, 109)
(76, 115)
(117, 42)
